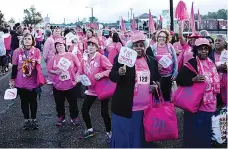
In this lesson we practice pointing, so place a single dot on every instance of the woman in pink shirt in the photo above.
(132, 95)
(89, 34)
(197, 126)
(24, 77)
(114, 48)
(48, 50)
(75, 49)
(64, 66)
(167, 61)
(95, 66)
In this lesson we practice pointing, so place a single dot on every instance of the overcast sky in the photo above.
(104, 10)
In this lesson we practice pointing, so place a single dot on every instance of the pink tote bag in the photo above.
(41, 80)
(189, 97)
(160, 121)
(105, 88)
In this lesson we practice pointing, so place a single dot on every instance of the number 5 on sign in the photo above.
(127, 56)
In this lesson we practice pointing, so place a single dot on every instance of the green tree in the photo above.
(32, 17)
(220, 14)
(93, 19)
(12, 21)
(2, 20)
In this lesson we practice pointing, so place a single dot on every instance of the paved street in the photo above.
(48, 135)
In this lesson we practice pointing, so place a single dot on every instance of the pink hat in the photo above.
(194, 35)
(60, 40)
(202, 41)
(93, 40)
(137, 36)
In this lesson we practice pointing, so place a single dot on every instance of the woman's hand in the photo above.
(154, 86)
(199, 78)
(12, 83)
(122, 71)
(98, 76)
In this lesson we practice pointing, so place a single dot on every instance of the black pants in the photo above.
(88, 102)
(28, 102)
(71, 96)
(166, 85)
(2, 61)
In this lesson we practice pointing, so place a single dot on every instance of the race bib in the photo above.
(143, 77)
(85, 80)
(64, 76)
(165, 61)
(64, 64)
(75, 50)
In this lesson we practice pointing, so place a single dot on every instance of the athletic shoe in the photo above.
(108, 136)
(61, 121)
(34, 124)
(27, 125)
(87, 134)
(75, 121)
(49, 82)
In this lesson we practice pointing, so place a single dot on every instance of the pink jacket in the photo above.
(79, 54)
(99, 64)
(39, 36)
(113, 50)
(49, 49)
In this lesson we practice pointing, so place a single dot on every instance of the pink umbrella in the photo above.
(181, 11)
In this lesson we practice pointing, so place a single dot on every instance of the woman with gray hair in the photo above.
(215, 56)
(49, 49)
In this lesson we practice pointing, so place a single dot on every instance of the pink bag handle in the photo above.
(160, 97)
(189, 66)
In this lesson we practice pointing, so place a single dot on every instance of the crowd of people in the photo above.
(69, 53)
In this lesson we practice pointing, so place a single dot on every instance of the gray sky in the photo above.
(104, 10)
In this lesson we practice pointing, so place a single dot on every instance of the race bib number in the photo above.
(64, 64)
(143, 77)
(165, 61)
(224, 56)
(64, 76)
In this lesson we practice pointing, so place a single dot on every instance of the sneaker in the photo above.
(108, 136)
(34, 124)
(60, 121)
(27, 125)
(87, 134)
(75, 121)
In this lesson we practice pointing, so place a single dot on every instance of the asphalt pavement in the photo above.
(50, 136)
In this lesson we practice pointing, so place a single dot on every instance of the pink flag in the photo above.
(151, 23)
(123, 28)
(134, 24)
(181, 12)
(192, 19)
(199, 18)
(161, 19)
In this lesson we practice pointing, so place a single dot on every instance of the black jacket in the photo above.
(184, 77)
(15, 41)
(122, 100)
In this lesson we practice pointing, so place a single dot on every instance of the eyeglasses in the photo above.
(162, 37)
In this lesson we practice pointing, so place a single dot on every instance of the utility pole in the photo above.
(171, 15)
(92, 13)
(131, 13)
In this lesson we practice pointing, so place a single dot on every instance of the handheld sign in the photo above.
(127, 57)
(10, 94)
(85, 80)
(224, 56)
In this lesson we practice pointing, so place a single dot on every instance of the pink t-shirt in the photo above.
(69, 64)
(113, 50)
(188, 54)
(22, 81)
(217, 57)
(142, 95)
(211, 107)
(92, 66)
(164, 55)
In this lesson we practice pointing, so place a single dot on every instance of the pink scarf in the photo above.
(212, 80)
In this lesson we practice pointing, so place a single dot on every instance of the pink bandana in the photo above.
(212, 80)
